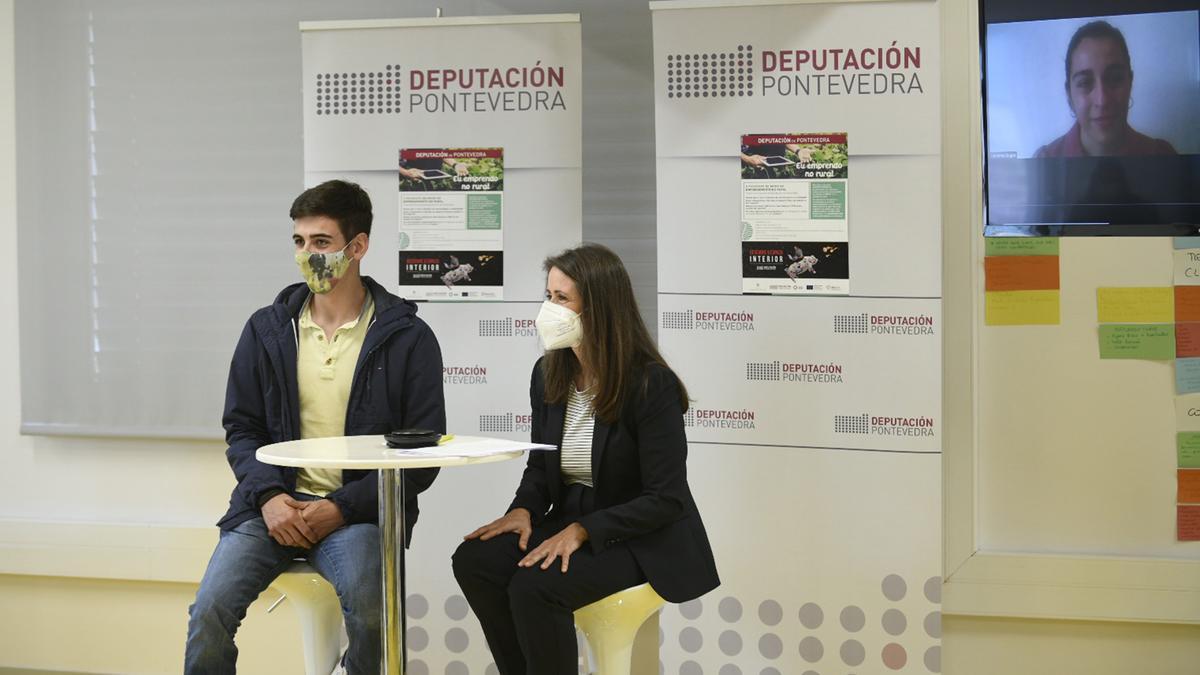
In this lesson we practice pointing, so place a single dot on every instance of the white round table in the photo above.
(371, 452)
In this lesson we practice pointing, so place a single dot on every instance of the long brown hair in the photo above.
(615, 342)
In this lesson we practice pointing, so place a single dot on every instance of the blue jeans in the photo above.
(247, 560)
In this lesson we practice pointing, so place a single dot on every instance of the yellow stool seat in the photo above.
(611, 624)
(319, 612)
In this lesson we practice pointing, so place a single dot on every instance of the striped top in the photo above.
(577, 438)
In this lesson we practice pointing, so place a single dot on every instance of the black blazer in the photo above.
(639, 473)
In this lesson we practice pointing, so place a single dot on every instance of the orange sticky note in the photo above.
(1021, 273)
(1187, 522)
(1189, 486)
(1187, 303)
(1187, 340)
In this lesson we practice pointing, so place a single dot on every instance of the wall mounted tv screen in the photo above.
(1091, 117)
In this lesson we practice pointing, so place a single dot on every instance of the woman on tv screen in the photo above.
(1099, 84)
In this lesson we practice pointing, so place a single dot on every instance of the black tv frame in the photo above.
(1186, 218)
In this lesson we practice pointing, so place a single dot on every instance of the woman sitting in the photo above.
(611, 508)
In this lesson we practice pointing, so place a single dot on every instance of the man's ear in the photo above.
(363, 242)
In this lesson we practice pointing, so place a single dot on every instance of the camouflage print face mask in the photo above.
(322, 270)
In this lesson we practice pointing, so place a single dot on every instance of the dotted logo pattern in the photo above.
(769, 371)
(711, 75)
(496, 423)
(495, 328)
(850, 323)
(830, 636)
(689, 418)
(363, 93)
(678, 320)
(852, 424)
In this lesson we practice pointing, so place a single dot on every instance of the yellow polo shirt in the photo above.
(324, 372)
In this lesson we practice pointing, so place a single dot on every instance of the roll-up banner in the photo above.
(730, 75)
(776, 216)
(476, 124)
(466, 133)
(804, 315)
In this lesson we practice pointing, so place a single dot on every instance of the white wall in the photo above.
(86, 479)
(88, 624)
(1027, 440)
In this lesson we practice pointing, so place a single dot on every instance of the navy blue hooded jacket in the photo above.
(397, 384)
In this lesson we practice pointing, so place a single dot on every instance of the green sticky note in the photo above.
(1155, 342)
(1187, 443)
(1021, 246)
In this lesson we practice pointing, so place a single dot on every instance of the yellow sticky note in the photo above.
(1149, 304)
(1021, 308)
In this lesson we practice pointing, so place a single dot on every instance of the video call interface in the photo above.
(1092, 117)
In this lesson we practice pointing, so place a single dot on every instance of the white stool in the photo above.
(319, 612)
(611, 627)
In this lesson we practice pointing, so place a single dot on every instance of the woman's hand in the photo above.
(517, 520)
(561, 545)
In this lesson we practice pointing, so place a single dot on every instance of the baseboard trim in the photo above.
(105, 550)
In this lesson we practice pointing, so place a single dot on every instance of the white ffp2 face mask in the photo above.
(558, 326)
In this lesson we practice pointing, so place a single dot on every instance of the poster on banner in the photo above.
(794, 223)
(451, 223)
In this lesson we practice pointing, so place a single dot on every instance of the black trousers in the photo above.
(526, 613)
